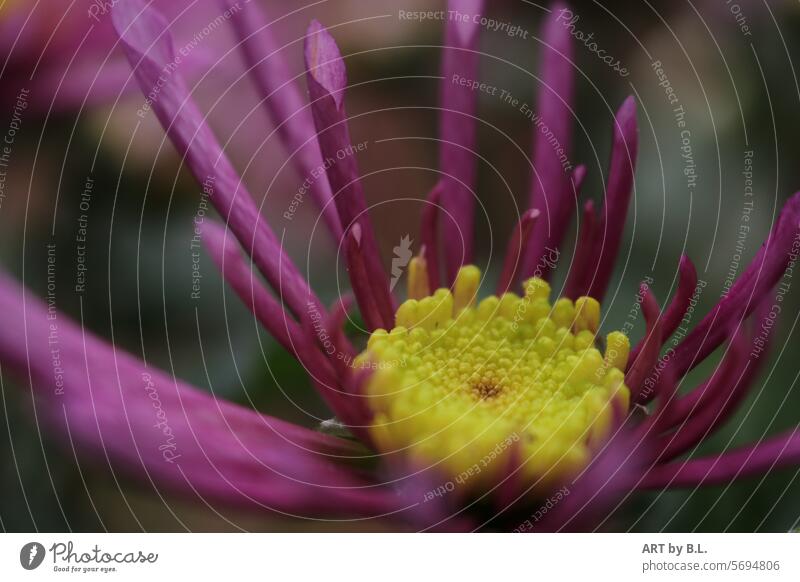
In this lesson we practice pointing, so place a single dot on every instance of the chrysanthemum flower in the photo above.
(465, 409)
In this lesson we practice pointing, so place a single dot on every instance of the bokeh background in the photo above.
(731, 64)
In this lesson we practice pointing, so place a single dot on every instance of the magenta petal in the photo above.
(727, 380)
(359, 278)
(457, 134)
(618, 195)
(284, 102)
(761, 275)
(429, 234)
(327, 81)
(584, 251)
(116, 409)
(725, 399)
(226, 256)
(515, 250)
(774, 453)
(600, 488)
(144, 35)
(687, 285)
(550, 187)
(677, 308)
(639, 376)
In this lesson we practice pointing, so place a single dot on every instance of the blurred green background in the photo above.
(740, 93)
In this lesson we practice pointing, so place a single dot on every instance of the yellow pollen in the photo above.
(474, 389)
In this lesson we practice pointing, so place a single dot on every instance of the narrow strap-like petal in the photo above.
(676, 311)
(687, 287)
(639, 377)
(728, 379)
(552, 140)
(145, 37)
(327, 80)
(359, 278)
(746, 294)
(457, 132)
(112, 408)
(581, 267)
(515, 250)
(774, 453)
(429, 233)
(284, 102)
(225, 254)
(725, 399)
(619, 188)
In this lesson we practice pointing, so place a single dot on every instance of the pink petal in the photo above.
(145, 37)
(550, 186)
(608, 236)
(774, 453)
(118, 410)
(457, 134)
(761, 275)
(647, 351)
(327, 81)
(283, 101)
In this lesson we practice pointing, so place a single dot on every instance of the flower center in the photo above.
(474, 388)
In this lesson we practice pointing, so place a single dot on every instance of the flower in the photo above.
(466, 414)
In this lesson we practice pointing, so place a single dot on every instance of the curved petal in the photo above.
(774, 453)
(148, 45)
(144, 422)
(639, 378)
(608, 235)
(763, 272)
(327, 81)
(283, 101)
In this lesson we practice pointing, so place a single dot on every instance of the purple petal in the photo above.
(724, 399)
(774, 453)
(550, 187)
(576, 285)
(429, 234)
(359, 279)
(326, 84)
(677, 308)
(118, 410)
(457, 134)
(144, 35)
(648, 351)
(618, 196)
(687, 285)
(761, 275)
(599, 490)
(726, 381)
(284, 102)
(515, 250)
(225, 254)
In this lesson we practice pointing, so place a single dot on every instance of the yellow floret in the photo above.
(511, 379)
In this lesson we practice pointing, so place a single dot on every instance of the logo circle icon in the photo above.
(31, 555)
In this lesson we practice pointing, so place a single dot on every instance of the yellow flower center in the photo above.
(478, 389)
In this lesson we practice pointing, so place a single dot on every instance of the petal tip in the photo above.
(627, 111)
(139, 25)
(324, 61)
